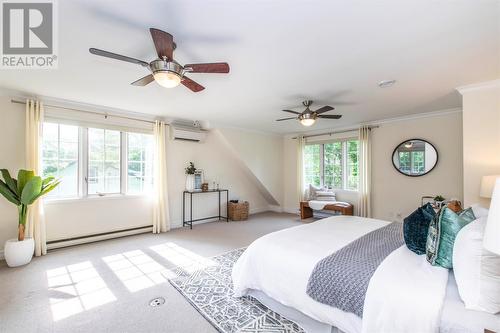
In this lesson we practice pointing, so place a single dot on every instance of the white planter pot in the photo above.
(18, 253)
(189, 182)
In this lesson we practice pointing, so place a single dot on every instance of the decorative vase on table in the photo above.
(189, 182)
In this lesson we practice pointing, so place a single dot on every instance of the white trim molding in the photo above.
(479, 86)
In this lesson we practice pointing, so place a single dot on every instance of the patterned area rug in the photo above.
(210, 291)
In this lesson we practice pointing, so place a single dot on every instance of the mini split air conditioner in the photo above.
(186, 133)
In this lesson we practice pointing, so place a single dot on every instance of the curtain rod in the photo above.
(91, 112)
(336, 132)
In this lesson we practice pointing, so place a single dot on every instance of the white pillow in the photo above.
(477, 272)
(312, 191)
(479, 211)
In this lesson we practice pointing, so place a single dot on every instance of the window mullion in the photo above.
(84, 148)
(123, 162)
(322, 165)
(344, 164)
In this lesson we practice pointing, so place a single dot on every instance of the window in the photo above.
(60, 157)
(104, 161)
(404, 161)
(352, 165)
(139, 163)
(95, 161)
(333, 165)
(412, 162)
(418, 162)
(312, 164)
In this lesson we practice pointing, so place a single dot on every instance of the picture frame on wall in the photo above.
(198, 179)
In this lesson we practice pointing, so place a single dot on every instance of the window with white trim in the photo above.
(333, 164)
(60, 155)
(139, 163)
(103, 161)
(96, 161)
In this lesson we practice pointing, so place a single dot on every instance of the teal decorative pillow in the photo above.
(442, 233)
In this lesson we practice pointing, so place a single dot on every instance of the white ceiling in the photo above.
(280, 52)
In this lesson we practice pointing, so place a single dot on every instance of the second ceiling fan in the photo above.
(165, 70)
(308, 117)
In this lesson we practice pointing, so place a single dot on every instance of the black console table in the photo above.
(190, 194)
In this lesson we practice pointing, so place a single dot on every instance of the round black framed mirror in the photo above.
(415, 157)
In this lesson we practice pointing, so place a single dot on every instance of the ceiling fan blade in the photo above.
(188, 83)
(144, 81)
(324, 109)
(112, 55)
(215, 67)
(286, 118)
(164, 43)
(294, 112)
(328, 116)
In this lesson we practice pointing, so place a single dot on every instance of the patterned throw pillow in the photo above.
(416, 226)
(442, 233)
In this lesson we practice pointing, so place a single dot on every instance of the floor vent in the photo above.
(156, 302)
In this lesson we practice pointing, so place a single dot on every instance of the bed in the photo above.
(276, 270)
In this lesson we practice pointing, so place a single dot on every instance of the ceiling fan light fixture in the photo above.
(167, 79)
(307, 121)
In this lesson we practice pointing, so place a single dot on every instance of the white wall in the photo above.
(263, 154)
(73, 218)
(394, 194)
(96, 215)
(481, 139)
(12, 158)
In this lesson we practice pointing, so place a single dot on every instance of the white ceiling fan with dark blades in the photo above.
(165, 70)
(308, 117)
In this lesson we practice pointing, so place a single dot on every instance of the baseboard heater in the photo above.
(59, 243)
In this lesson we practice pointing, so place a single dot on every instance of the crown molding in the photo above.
(479, 86)
(414, 116)
(355, 127)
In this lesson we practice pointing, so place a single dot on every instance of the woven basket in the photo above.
(238, 211)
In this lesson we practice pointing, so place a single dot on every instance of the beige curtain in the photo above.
(301, 142)
(364, 200)
(161, 220)
(35, 224)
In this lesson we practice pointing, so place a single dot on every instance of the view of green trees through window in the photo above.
(312, 165)
(333, 165)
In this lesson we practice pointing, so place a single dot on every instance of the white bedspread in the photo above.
(405, 294)
(279, 264)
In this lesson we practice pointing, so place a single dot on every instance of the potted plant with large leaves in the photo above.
(23, 192)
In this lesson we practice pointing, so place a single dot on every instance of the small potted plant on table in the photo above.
(23, 192)
(190, 171)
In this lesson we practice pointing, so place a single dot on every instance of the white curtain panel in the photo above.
(301, 143)
(161, 219)
(35, 223)
(364, 201)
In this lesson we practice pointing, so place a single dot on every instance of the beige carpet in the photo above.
(107, 286)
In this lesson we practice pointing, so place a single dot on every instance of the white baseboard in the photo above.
(91, 239)
(291, 210)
